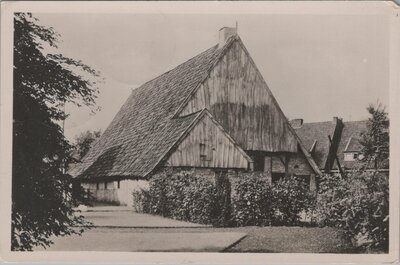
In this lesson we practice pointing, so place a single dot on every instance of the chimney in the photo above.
(296, 123)
(224, 34)
(337, 121)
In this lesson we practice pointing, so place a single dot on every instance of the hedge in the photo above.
(185, 196)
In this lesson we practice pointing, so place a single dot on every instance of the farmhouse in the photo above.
(214, 114)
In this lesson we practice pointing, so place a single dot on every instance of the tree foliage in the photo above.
(359, 202)
(84, 141)
(359, 205)
(43, 82)
(375, 140)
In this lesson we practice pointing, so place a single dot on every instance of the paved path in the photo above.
(114, 240)
(117, 216)
(116, 229)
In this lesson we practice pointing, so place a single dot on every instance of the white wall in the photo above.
(128, 186)
(113, 194)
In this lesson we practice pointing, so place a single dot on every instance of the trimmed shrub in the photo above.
(290, 198)
(199, 200)
(185, 196)
(182, 196)
(252, 204)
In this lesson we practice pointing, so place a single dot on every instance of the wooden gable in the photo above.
(208, 145)
(237, 96)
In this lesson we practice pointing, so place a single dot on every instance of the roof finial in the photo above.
(237, 27)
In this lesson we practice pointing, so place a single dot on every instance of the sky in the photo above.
(317, 66)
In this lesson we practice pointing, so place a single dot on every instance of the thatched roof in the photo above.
(144, 130)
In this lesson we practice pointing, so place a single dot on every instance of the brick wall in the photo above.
(298, 165)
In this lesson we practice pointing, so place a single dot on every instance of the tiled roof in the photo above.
(144, 129)
(317, 133)
(350, 140)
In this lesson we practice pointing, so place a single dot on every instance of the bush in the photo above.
(141, 201)
(187, 197)
(257, 202)
(252, 204)
(358, 204)
(291, 197)
(183, 196)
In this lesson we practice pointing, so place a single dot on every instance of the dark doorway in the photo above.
(259, 162)
(277, 176)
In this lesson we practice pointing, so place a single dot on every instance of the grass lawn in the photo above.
(267, 239)
(290, 240)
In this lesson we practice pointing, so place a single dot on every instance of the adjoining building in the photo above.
(334, 145)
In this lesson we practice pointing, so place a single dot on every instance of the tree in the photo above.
(359, 203)
(375, 141)
(84, 141)
(43, 83)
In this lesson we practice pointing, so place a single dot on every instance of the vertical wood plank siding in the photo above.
(238, 98)
(219, 151)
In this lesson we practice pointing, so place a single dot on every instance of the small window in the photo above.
(206, 152)
(351, 156)
(105, 185)
(97, 186)
(119, 184)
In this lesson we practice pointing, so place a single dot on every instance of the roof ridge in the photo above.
(314, 122)
(168, 71)
(228, 43)
(356, 121)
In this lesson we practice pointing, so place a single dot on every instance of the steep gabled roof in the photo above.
(317, 133)
(204, 113)
(147, 125)
(143, 130)
(238, 40)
